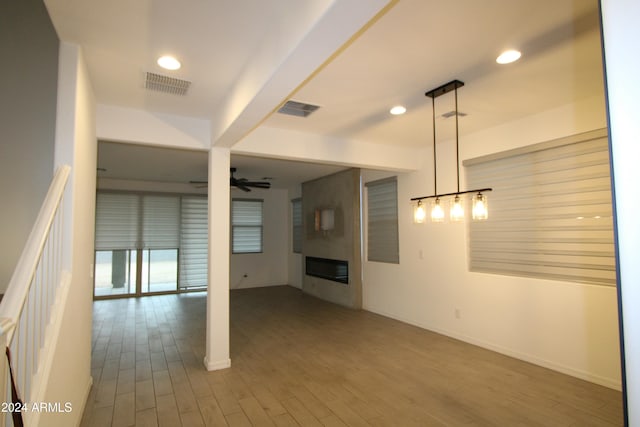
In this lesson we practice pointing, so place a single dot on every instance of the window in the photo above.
(246, 226)
(296, 224)
(136, 221)
(149, 243)
(137, 239)
(117, 221)
(550, 211)
(160, 225)
(382, 221)
(194, 242)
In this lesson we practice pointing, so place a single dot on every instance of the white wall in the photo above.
(564, 326)
(621, 33)
(269, 268)
(76, 145)
(294, 145)
(122, 124)
(27, 122)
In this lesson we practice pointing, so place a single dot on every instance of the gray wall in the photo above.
(28, 88)
(341, 192)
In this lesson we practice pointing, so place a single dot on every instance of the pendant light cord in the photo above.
(435, 173)
(455, 91)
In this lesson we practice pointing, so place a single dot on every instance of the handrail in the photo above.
(6, 325)
(18, 289)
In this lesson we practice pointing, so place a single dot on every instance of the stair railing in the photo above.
(26, 308)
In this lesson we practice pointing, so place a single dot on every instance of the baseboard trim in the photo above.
(87, 391)
(583, 375)
(216, 365)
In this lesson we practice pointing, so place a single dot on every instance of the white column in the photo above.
(621, 34)
(217, 351)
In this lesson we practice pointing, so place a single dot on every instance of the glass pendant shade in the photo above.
(457, 209)
(480, 210)
(437, 213)
(419, 213)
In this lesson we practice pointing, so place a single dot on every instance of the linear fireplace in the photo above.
(329, 269)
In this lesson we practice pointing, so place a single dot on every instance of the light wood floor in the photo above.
(297, 360)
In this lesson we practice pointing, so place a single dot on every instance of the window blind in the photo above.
(136, 221)
(160, 221)
(382, 221)
(296, 221)
(193, 242)
(550, 211)
(246, 221)
(117, 221)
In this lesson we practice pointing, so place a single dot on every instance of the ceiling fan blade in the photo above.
(258, 184)
(244, 183)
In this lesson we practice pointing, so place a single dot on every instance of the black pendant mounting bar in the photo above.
(445, 88)
(435, 196)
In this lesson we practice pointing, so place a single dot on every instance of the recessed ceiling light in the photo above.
(169, 62)
(508, 56)
(398, 110)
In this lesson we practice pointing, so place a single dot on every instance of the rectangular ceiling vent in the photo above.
(452, 113)
(166, 84)
(299, 109)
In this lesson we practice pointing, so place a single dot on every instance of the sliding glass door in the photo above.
(116, 272)
(159, 270)
(149, 243)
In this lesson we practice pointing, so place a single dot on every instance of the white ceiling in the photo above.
(419, 45)
(214, 39)
(414, 46)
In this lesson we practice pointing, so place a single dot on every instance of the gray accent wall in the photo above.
(28, 84)
(340, 192)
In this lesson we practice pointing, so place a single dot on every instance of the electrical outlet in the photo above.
(457, 313)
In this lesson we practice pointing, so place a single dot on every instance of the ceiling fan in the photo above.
(242, 183)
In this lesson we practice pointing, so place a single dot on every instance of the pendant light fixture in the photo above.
(419, 213)
(437, 212)
(479, 209)
(457, 209)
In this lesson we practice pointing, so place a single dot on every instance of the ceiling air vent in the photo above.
(166, 84)
(299, 109)
(453, 113)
